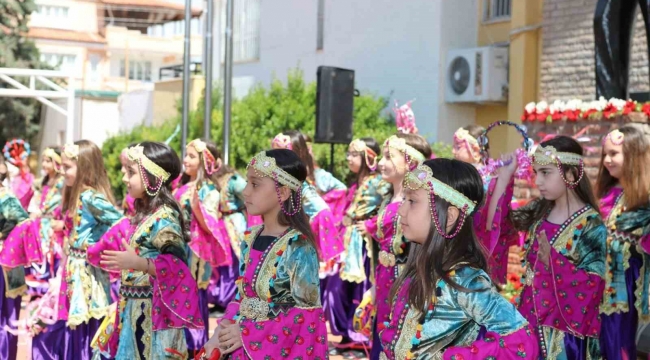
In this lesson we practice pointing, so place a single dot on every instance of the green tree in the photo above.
(18, 117)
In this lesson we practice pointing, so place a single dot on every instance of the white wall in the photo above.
(100, 119)
(397, 50)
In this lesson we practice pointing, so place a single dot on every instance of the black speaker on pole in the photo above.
(334, 105)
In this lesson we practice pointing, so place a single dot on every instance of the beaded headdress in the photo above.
(209, 162)
(545, 155)
(615, 136)
(471, 143)
(265, 166)
(56, 158)
(360, 146)
(136, 154)
(16, 152)
(71, 151)
(405, 118)
(410, 153)
(422, 178)
(281, 141)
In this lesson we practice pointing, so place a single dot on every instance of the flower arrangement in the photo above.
(574, 110)
(512, 289)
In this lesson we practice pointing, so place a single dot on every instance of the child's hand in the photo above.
(361, 228)
(122, 260)
(57, 225)
(229, 338)
(544, 253)
(509, 165)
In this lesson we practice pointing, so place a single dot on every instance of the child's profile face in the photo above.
(47, 165)
(549, 181)
(415, 215)
(260, 195)
(354, 160)
(461, 152)
(191, 162)
(613, 160)
(69, 170)
(133, 181)
(392, 165)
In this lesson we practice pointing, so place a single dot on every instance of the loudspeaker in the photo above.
(334, 105)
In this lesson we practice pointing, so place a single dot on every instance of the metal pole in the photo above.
(207, 117)
(186, 75)
(227, 92)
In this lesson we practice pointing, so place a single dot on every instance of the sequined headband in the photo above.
(422, 178)
(546, 155)
(49, 152)
(400, 144)
(266, 166)
(136, 154)
(281, 141)
(360, 146)
(209, 162)
(615, 136)
(464, 135)
(71, 151)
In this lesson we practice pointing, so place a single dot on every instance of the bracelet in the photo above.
(148, 261)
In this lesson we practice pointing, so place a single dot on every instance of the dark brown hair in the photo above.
(163, 156)
(91, 173)
(429, 262)
(299, 146)
(289, 161)
(417, 142)
(524, 218)
(202, 175)
(635, 178)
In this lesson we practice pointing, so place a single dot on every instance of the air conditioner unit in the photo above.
(477, 75)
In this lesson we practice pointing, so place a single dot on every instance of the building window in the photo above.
(63, 62)
(246, 30)
(56, 12)
(138, 70)
(320, 32)
(495, 10)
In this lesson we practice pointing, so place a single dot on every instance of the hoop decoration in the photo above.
(549, 155)
(209, 162)
(265, 166)
(136, 154)
(422, 178)
(281, 141)
(490, 166)
(16, 152)
(405, 118)
(360, 146)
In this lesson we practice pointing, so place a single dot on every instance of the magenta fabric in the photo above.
(327, 236)
(21, 247)
(21, 186)
(338, 203)
(515, 346)
(501, 236)
(111, 240)
(561, 296)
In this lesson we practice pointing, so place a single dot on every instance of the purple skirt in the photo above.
(618, 331)
(9, 311)
(196, 338)
(222, 288)
(340, 300)
(59, 342)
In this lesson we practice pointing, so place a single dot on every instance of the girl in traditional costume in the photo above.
(493, 227)
(444, 295)
(16, 153)
(345, 290)
(233, 219)
(401, 152)
(84, 297)
(331, 189)
(157, 292)
(35, 240)
(277, 311)
(624, 186)
(209, 244)
(318, 182)
(12, 281)
(564, 253)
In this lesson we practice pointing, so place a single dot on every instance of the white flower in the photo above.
(573, 105)
(541, 107)
(617, 103)
(530, 107)
(557, 106)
